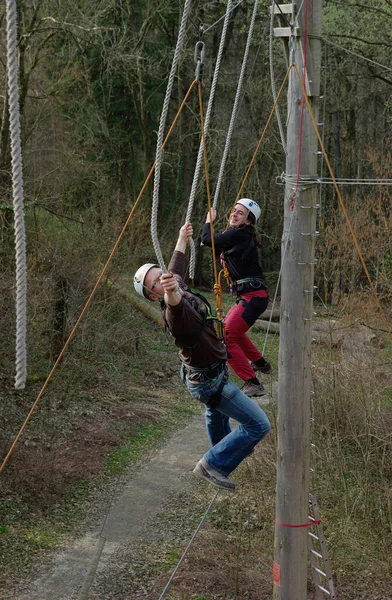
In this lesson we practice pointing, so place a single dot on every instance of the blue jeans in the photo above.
(229, 447)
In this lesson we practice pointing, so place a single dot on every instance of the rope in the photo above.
(17, 189)
(276, 289)
(206, 127)
(104, 270)
(217, 286)
(272, 73)
(262, 137)
(158, 158)
(342, 205)
(235, 106)
(188, 546)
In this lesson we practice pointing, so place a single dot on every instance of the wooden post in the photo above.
(296, 312)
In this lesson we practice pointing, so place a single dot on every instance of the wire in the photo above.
(222, 17)
(356, 54)
(188, 546)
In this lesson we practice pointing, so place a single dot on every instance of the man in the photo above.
(203, 356)
(238, 248)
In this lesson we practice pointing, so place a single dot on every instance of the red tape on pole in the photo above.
(297, 526)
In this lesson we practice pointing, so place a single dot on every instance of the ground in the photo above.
(98, 443)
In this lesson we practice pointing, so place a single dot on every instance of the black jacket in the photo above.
(239, 250)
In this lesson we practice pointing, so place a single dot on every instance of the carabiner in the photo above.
(199, 48)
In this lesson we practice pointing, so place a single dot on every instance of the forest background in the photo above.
(92, 81)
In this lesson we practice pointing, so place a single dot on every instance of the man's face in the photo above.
(239, 216)
(152, 284)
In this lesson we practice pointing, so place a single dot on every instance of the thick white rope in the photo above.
(272, 74)
(192, 258)
(17, 189)
(235, 106)
(159, 151)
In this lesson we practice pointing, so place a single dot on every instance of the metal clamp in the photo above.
(199, 58)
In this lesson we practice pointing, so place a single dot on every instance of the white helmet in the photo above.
(252, 206)
(140, 276)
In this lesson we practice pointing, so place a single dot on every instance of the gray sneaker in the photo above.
(266, 369)
(205, 471)
(253, 389)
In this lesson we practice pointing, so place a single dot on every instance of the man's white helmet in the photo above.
(252, 206)
(140, 276)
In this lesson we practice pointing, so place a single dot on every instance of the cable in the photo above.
(356, 54)
(220, 19)
(188, 546)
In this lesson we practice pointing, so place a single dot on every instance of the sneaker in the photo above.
(205, 471)
(266, 369)
(253, 389)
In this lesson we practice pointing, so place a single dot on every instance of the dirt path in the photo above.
(74, 572)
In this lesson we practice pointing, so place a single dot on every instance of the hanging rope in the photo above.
(17, 190)
(206, 127)
(217, 286)
(90, 298)
(158, 159)
(272, 74)
(235, 106)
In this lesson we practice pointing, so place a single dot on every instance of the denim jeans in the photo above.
(229, 447)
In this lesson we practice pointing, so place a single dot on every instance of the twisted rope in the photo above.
(196, 175)
(158, 158)
(17, 190)
(272, 74)
(235, 106)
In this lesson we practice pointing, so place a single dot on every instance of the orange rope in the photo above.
(217, 285)
(342, 205)
(71, 335)
(261, 139)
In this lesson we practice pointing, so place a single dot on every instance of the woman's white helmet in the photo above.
(140, 276)
(252, 206)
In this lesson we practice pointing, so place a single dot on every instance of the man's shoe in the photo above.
(266, 368)
(253, 389)
(205, 471)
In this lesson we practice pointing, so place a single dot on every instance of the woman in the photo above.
(238, 248)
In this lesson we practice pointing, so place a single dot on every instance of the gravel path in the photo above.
(104, 562)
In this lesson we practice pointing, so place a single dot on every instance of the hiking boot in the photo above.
(266, 368)
(205, 471)
(253, 389)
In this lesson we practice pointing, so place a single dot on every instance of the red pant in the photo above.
(238, 320)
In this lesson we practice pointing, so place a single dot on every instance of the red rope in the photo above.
(302, 106)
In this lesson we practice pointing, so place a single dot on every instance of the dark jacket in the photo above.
(198, 342)
(239, 250)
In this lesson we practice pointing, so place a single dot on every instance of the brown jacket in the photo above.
(184, 323)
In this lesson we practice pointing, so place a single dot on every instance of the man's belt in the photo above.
(204, 373)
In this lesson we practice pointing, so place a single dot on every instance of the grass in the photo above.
(116, 358)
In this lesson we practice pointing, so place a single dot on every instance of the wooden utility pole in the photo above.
(296, 311)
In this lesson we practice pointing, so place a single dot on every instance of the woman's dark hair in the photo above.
(252, 224)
